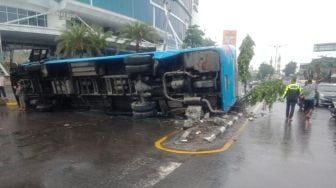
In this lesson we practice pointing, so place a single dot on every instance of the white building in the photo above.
(36, 23)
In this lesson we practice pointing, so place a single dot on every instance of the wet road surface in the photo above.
(80, 149)
(270, 153)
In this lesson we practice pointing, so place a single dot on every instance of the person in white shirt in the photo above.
(2, 86)
(308, 94)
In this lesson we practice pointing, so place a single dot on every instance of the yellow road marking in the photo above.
(11, 104)
(227, 145)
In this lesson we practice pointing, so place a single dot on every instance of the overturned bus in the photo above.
(141, 84)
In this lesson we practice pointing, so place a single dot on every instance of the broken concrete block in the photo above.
(230, 123)
(225, 116)
(222, 129)
(207, 115)
(184, 140)
(210, 138)
(186, 133)
(188, 123)
(219, 121)
(214, 134)
(194, 113)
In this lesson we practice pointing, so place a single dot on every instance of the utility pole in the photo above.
(277, 61)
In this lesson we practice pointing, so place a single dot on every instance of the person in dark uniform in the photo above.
(292, 93)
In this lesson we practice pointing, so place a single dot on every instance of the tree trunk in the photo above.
(245, 87)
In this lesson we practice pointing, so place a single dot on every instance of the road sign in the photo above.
(323, 47)
(230, 37)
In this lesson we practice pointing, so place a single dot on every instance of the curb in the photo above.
(159, 144)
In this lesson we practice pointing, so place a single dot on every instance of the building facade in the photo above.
(35, 23)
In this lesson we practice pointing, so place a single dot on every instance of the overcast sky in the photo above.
(296, 24)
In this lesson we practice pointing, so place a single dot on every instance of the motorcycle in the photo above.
(332, 109)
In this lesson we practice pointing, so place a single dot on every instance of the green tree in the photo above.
(290, 68)
(268, 92)
(208, 42)
(194, 37)
(245, 56)
(265, 70)
(137, 32)
(321, 67)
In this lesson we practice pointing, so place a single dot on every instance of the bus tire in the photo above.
(137, 68)
(138, 60)
(143, 107)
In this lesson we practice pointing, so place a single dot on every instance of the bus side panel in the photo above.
(228, 78)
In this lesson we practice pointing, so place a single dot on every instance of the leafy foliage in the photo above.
(195, 38)
(290, 68)
(98, 39)
(78, 39)
(137, 32)
(208, 42)
(265, 70)
(322, 66)
(74, 41)
(245, 56)
(269, 92)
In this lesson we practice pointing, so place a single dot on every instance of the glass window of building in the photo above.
(11, 13)
(2, 8)
(41, 21)
(3, 17)
(32, 21)
(12, 16)
(22, 12)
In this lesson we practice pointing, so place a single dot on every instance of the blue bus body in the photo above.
(147, 83)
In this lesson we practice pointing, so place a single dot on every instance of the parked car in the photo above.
(326, 93)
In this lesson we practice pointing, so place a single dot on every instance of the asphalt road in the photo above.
(270, 153)
(79, 149)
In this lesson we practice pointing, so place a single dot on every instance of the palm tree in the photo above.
(98, 39)
(137, 32)
(74, 41)
(79, 39)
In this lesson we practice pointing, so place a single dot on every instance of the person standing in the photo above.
(309, 93)
(20, 92)
(2, 86)
(292, 93)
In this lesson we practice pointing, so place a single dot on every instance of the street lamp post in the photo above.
(277, 61)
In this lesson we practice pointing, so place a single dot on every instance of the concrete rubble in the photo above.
(201, 126)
